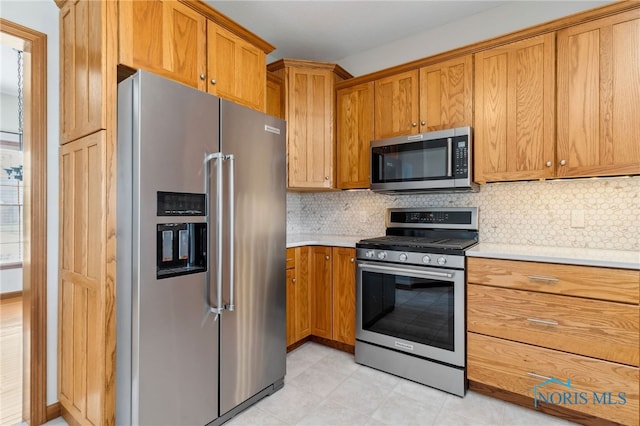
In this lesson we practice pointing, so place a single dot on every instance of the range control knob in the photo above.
(382, 255)
(442, 261)
(426, 259)
(403, 257)
(370, 254)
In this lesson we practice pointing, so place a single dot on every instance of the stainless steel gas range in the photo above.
(411, 296)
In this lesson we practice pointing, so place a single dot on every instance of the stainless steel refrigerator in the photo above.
(201, 207)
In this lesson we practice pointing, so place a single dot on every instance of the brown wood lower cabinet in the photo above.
(554, 334)
(326, 310)
(298, 295)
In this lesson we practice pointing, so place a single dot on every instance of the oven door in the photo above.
(412, 309)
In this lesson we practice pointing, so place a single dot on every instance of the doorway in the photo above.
(31, 240)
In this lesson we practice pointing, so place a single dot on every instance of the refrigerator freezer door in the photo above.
(174, 338)
(253, 341)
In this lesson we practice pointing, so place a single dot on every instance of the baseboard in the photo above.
(10, 295)
(53, 411)
(326, 342)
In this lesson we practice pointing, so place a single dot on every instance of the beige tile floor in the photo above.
(324, 386)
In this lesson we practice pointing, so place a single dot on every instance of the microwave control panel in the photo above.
(461, 156)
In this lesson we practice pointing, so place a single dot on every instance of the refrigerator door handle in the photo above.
(219, 308)
(231, 306)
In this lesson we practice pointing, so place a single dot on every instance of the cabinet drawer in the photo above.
(618, 285)
(523, 369)
(291, 258)
(605, 330)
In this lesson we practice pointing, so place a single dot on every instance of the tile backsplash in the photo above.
(599, 213)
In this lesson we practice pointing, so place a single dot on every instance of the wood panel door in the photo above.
(310, 147)
(165, 37)
(344, 295)
(291, 306)
(86, 306)
(354, 129)
(84, 31)
(446, 94)
(236, 69)
(275, 96)
(302, 310)
(396, 105)
(515, 111)
(599, 97)
(320, 264)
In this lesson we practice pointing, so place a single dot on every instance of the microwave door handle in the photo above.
(449, 156)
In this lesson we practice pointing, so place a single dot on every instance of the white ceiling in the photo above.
(323, 30)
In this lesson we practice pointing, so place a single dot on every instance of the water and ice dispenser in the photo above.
(181, 246)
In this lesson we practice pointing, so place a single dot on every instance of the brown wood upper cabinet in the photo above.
(84, 26)
(435, 97)
(165, 37)
(354, 130)
(599, 97)
(173, 39)
(309, 110)
(446, 94)
(396, 105)
(236, 69)
(275, 96)
(515, 111)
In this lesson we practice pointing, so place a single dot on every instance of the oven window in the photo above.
(411, 161)
(410, 308)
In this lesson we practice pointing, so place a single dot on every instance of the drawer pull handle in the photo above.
(538, 376)
(290, 259)
(539, 321)
(537, 278)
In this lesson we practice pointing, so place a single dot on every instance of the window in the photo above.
(11, 200)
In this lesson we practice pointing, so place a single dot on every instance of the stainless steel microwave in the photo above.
(438, 161)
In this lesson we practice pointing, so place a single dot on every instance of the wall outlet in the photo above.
(577, 218)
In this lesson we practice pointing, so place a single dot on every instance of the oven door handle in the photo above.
(404, 270)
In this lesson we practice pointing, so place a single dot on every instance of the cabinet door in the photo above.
(275, 96)
(302, 294)
(236, 69)
(446, 94)
(396, 105)
(165, 37)
(344, 295)
(354, 128)
(320, 276)
(291, 306)
(84, 54)
(514, 111)
(86, 309)
(599, 97)
(310, 127)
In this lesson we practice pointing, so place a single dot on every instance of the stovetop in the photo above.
(418, 242)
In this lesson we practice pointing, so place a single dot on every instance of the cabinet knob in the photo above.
(563, 162)
(352, 260)
(414, 124)
(326, 178)
(422, 123)
(326, 257)
(548, 164)
(202, 76)
(213, 81)
(293, 280)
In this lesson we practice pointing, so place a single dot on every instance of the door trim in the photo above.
(34, 404)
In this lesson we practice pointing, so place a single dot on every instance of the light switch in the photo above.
(577, 218)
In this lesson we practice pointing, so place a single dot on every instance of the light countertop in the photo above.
(298, 240)
(567, 255)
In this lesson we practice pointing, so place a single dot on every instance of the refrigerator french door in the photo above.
(200, 255)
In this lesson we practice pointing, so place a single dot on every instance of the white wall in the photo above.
(8, 112)
(42, 16)
(494, 22)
